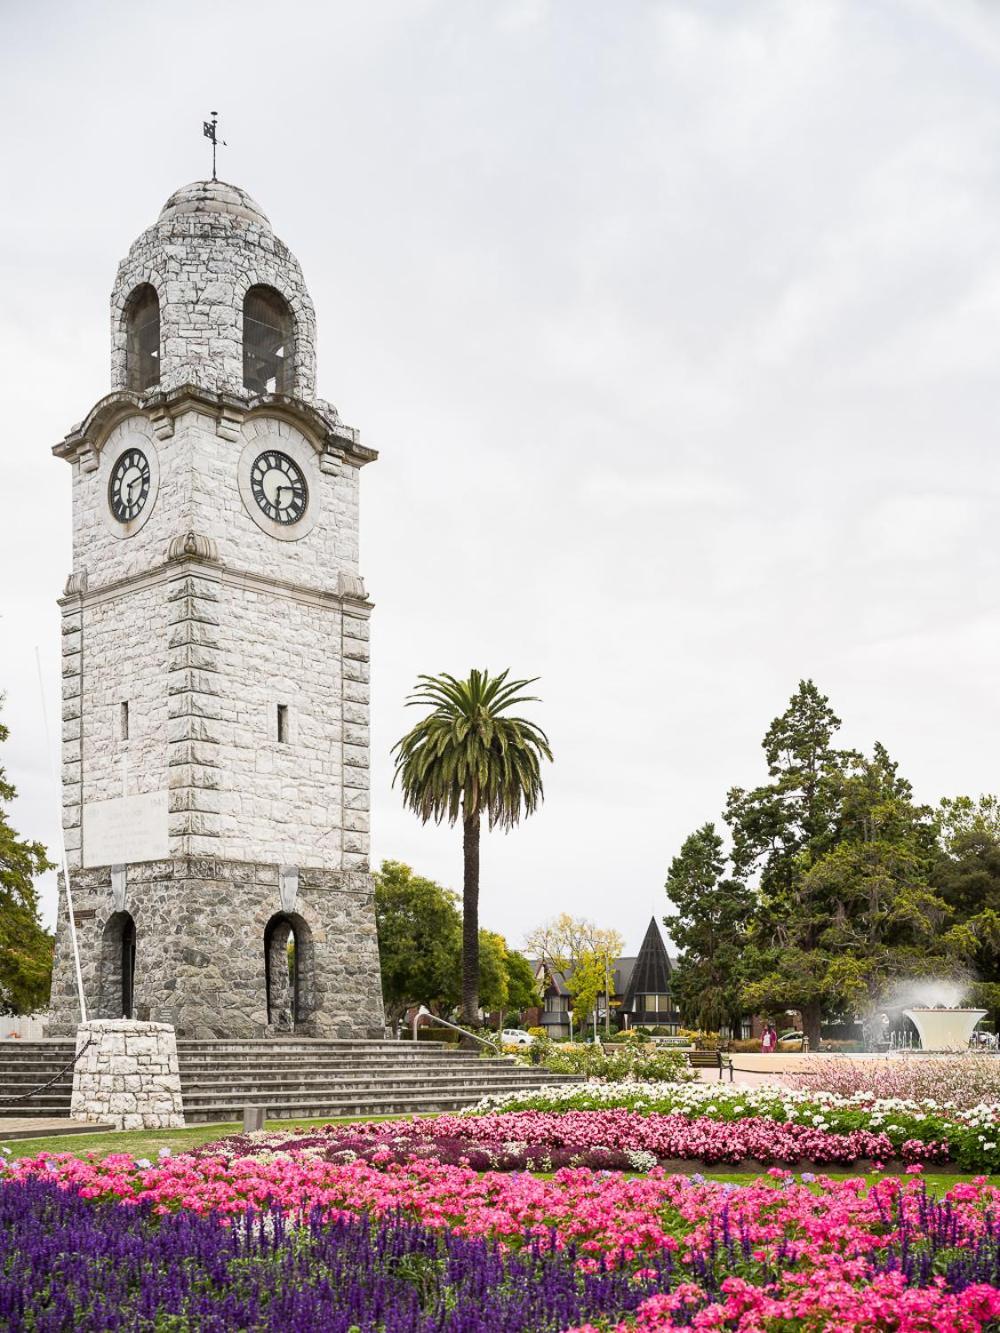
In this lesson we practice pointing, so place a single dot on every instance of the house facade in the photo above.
(640, 993)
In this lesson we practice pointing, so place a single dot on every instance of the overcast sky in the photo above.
(676, 325)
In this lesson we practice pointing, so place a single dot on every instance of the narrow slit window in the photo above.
(282, 724)
(124, 721)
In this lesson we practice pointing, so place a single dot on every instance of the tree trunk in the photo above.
(810, 1024)
(470, 922)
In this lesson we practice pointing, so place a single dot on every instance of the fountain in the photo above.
(944, 1029)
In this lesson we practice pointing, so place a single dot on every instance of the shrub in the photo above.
(444, 1035)
(626, 1061)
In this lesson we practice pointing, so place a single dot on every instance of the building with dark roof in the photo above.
(641, 993)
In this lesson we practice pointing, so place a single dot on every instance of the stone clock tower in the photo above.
(215, 654)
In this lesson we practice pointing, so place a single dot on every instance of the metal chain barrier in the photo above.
(24, 1096)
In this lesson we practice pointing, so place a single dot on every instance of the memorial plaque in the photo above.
(127, 829)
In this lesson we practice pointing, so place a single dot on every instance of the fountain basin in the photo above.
(945, 1029)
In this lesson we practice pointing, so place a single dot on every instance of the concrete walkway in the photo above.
(43, 1127)
(748, 1078)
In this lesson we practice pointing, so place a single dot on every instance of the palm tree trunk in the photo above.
(470, 921)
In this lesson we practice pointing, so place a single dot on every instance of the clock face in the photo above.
(128, 488)
(279, 487)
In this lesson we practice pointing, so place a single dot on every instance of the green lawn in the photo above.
(146, 1143)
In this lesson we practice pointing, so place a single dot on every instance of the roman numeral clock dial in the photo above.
(279, 487)
(128, 488)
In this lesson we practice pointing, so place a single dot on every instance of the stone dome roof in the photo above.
(214, 197)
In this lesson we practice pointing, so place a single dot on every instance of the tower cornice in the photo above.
(319, 422)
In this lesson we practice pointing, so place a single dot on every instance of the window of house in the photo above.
(124, 721)
(142, 339)
(268, 328)
(283, 724)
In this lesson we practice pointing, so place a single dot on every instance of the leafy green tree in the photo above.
(845, 859)
(779, 830)
(26, 948)
(493, 985)
(967, 875)
(564, 941)
(506, 979)
(466, 759)
(561, 941)
(419, 940)
(709, 927)
(522, 988)
(586, 985)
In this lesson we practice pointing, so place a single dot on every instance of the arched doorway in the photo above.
(287, 972)
(117, 969)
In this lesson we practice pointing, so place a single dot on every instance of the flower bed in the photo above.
(603, 1140)
(457, 1251)
(971, 1134)
(71, 1264)
(962, 1080)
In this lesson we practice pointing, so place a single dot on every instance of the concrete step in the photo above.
(195, 1094)
(370, 1068)
(504, 1073)
(313, 1107)
(37, 1127)
(290, 1077)
(49, 1108)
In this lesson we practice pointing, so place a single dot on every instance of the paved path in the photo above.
(748, 1078)
(42, 1127)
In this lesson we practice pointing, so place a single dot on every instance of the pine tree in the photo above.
(709, 927)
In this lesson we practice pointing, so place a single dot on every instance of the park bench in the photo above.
(716, 1059)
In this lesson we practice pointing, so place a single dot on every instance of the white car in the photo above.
(516, 1037)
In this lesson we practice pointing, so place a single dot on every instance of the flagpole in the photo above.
(62, 843)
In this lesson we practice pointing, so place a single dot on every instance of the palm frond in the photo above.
(467, 757)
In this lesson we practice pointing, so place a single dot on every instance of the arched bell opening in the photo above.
(288, 972)
(142, 339)
(268, 342)
(117, 968)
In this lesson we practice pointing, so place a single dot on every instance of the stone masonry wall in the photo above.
(199, 962)
(198, 492)
(202, 264)
(127, 1075)
(203, 656)
(205, 619)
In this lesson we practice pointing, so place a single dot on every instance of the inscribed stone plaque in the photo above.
(129, 828)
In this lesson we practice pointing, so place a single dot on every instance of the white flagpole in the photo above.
(62, 841)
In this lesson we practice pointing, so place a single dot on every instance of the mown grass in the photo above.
(146, 1143)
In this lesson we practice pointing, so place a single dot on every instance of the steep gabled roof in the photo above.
(651, 974)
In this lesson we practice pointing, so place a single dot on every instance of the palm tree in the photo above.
(466, 758)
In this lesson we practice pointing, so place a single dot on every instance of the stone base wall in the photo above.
(200, 927)
(127, 1075)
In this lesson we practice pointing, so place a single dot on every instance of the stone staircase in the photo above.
(292, 1078)
(27, 1064)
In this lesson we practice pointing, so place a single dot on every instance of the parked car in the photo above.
(792, 1037)
(516, 1037)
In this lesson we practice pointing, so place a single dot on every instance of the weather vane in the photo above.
(210, 131)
